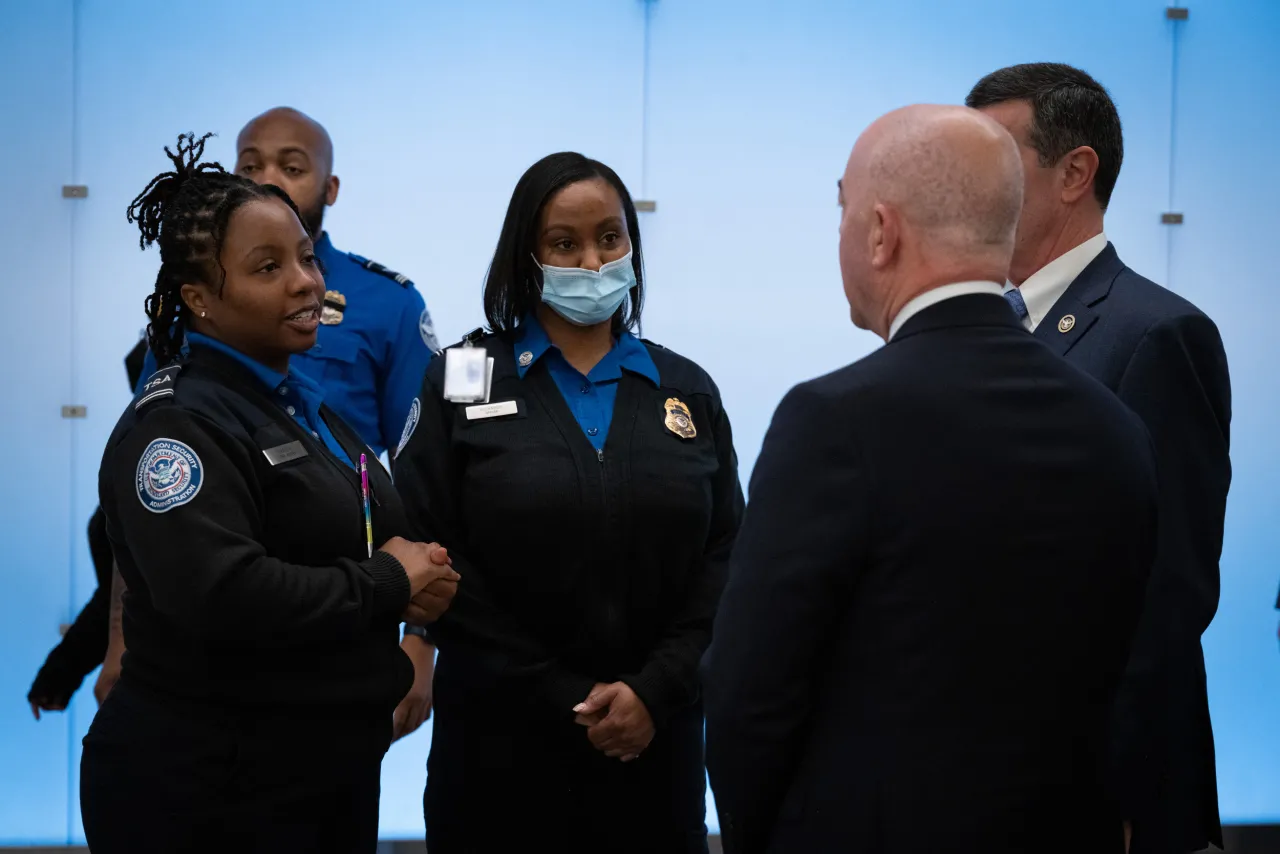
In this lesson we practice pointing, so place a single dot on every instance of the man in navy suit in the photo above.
(1164, 358)
(906, 660)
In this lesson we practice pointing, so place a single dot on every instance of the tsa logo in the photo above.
(169, 475)
(415, 412)
(427, 330)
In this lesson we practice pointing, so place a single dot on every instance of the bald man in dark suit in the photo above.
(942, 564)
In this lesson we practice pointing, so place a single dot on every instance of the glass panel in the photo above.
(35, 234)
(1226, 184)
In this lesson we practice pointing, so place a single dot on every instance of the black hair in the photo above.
(513, 286)
(1069, 109)
(186, 211)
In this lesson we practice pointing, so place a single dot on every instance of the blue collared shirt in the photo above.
(296, 393)
(371, 363)
(590, 398)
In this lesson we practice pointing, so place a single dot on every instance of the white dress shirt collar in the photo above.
(937, 295)
(1046, 286)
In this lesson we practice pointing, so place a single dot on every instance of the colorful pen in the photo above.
(364, 494)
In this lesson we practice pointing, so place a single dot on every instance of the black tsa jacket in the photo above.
(242, 541)
(577, 566)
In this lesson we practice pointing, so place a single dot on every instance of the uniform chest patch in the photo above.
(169, 475)
(415, 412)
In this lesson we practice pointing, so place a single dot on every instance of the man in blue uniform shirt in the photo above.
(376, 336)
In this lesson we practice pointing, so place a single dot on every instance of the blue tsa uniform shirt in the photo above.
(590, 398)
(295, 393)
(374, 343)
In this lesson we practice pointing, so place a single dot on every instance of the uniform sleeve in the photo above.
(792, 575)
(201, 551)
(1177, 382)
(669, 679)
(428, 477)
(85, 644)
(79, 654)
(407, 360)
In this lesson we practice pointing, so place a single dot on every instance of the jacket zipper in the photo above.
(611, 610)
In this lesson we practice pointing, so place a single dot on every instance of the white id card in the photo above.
(465, 369)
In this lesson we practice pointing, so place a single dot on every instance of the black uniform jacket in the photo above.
(242, 541)
(577, 566)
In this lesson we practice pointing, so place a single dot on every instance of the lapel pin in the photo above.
(1067, 323)
(526, 359)
(678, 419)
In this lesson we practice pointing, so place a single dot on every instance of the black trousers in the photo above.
(497, 783)
(159, 775)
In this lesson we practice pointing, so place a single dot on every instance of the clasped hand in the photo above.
(432, 581)
(617, 721)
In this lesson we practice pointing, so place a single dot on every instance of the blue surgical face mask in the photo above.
(587, 297)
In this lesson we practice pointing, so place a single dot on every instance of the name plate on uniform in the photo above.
(285, 453)
(492, 410)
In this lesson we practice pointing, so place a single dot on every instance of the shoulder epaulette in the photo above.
(374, 267)
(652, 343)
(158, 385)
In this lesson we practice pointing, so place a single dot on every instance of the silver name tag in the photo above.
(285, 453)
(492, 410)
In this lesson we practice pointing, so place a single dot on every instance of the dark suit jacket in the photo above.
(931, 602)
(1164, 358)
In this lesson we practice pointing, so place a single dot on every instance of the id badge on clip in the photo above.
(467, 374)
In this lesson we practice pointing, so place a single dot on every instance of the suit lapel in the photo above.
(1066, 323)
(1077, 310)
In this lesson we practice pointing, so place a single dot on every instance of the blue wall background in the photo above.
(735, 116)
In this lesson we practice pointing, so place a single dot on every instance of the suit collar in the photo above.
(1076, 311)
(937, 295)
(1046, 286)
(967, 310)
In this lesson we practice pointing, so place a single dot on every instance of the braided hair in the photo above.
(186, 211)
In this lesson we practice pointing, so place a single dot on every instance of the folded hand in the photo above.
(617, 721)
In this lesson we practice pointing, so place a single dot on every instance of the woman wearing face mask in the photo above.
(590, 505)
(263, 660)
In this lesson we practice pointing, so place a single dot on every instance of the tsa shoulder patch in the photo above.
(374, 267)
(158, 385)
(415, 412)
(427, 330)
(170, 474)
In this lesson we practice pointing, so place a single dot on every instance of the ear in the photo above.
(196, 297)
(1079, 168)
(886, 233)
(331, 190)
